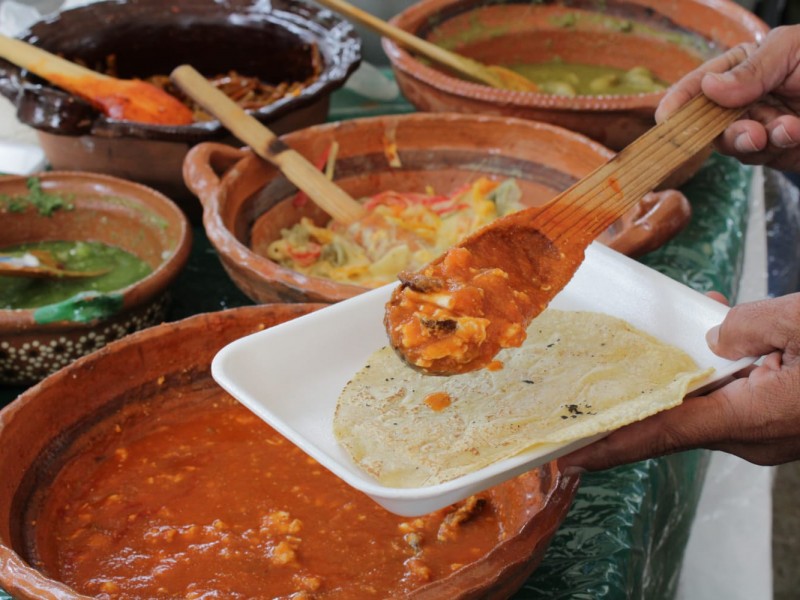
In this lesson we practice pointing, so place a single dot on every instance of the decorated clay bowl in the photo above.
(246, 202)
(35, 342)
(668, 38)
(270, 40)
(136, 382)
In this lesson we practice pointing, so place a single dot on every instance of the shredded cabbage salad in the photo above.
(401, 231)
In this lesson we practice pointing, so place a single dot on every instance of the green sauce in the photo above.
(576, 79)
(123, 269)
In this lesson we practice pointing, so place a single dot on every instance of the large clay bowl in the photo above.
(246, 202)
(36, 342)
(48, 423)
(670, 38)
(270, 40)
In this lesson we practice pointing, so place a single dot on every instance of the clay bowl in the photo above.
(51, 422)
(669, 38)
(36, 342)
(245, 208)
(270, 40)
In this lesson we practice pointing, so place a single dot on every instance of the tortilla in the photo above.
(578, 374)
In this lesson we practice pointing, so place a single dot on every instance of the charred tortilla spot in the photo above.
(421, 283)
(439, 326)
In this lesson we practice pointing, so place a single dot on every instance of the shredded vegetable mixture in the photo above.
(401, 231)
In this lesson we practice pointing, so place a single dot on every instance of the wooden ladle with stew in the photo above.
(456, 313)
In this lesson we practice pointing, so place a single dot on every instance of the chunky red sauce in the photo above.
(455, 314)
(201, 499)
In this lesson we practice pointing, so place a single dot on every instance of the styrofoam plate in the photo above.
(291, 375)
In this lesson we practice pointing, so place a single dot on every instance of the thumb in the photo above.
(757, 328)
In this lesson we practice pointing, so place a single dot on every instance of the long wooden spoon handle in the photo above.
(461, 64)
(594, 203)
(43, 63)
(327, 195)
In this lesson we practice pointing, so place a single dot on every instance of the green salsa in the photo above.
(120, 268)
(577, 79)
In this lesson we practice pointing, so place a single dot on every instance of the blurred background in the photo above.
(772, 493)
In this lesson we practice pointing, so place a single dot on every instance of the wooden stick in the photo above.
(326, 194)
(41, 62)
(471, 69)
(595, 202)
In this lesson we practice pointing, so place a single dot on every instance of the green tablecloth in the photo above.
(626, 532)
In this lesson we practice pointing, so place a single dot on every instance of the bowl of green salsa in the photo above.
(600, 66)
(123, 244)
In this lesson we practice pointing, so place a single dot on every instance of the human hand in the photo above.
(756, 416)
(767, 78)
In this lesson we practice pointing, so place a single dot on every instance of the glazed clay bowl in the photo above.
(270, 40)
(36, 342)
(246, 202)
(669, 38)
(54, 421)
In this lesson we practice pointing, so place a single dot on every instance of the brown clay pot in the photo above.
(36, 342)
(47, 422)
(670, 38)
(246, 202)
(270, 40)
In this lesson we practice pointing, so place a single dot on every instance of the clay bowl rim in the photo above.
(404, 61)
(143, 290)
(17, 574)
(322, 26)
(255, 265)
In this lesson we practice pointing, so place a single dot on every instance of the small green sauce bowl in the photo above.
(76, 206)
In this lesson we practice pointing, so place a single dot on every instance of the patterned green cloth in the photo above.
(627, 530)
(709, 253)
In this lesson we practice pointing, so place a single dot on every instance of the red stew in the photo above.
(201, 499)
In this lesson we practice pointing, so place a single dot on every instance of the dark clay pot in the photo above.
(271, 40)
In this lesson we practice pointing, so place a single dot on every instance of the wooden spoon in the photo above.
(456, 313)
(491, 75)
(123, 99)
(39, 264)
(326, 194)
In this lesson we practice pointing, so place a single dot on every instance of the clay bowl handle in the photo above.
(326, 194)
(204, 167)
(657, 219)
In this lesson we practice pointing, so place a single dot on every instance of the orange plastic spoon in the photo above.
(40, 264)
(123, 99)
